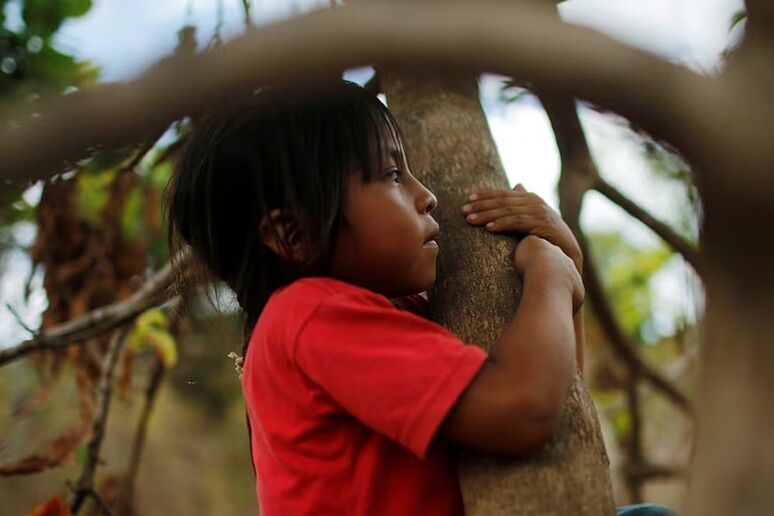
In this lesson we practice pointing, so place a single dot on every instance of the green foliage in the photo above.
(44, 17)
(30, 65)
(93, 193)
(622, 423)
(626, 271)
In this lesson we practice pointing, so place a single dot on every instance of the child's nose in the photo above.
(428, 200)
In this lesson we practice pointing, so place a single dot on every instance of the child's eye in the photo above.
(394, 176)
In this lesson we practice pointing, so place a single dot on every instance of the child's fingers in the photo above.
(489, 194)
(513, 202)
(503, 219)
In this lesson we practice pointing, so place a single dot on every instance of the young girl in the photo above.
(306, 207)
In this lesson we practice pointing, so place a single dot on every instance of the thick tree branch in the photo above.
(503, 37)
(100, 320)
(689, 251)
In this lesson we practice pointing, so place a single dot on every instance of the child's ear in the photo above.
(282, 233)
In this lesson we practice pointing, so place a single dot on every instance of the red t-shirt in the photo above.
(345, 393)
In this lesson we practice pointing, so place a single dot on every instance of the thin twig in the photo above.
(100, 320)
(101, 505)
(104, 394)
(689, 251)
(246, 11)
(621, 344)
(20, 320)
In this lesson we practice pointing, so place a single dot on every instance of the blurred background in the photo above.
(177, 403)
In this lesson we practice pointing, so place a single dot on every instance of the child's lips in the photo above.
(430, 239)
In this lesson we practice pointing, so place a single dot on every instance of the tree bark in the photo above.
(451, 150)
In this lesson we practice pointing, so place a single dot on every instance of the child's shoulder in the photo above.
(318, 288)
(291, 307)
(307, 294)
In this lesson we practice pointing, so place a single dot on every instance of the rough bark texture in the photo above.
(452, 151)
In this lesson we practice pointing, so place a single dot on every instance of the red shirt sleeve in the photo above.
(394, 371)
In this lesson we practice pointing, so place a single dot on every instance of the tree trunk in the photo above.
(452, 151)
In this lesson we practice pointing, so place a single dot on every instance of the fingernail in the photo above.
(491, 225)
(473, 197)
(472, 217)
(466, 208)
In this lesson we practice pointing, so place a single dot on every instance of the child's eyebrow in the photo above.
(394, 153)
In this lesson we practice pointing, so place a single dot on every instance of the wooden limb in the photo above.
(688, 250)
(85, 483)
(100, 320)
(509, 38)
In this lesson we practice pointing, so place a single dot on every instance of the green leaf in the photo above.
(93, 193)
(133, 226)
(44, 17)
(151, 331)
(737, 18)
(626, 272)
(622, 423)
(163, 343)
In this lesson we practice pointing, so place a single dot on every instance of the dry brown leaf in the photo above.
(53, 507)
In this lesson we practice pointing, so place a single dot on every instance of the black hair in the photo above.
(290, 148)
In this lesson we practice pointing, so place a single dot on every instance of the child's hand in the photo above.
(519, 211)
(534, 255)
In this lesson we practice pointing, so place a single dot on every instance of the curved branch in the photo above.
(678, 243)
(100, 320)
(578, 173)
(504, 37)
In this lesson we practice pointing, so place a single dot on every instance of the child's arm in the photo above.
(516, 401)
(519, 211)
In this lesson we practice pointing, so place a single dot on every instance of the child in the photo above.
(307, 209)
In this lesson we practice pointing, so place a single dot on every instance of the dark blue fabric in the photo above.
(645, 509)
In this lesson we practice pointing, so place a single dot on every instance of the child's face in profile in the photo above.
(387, 239)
